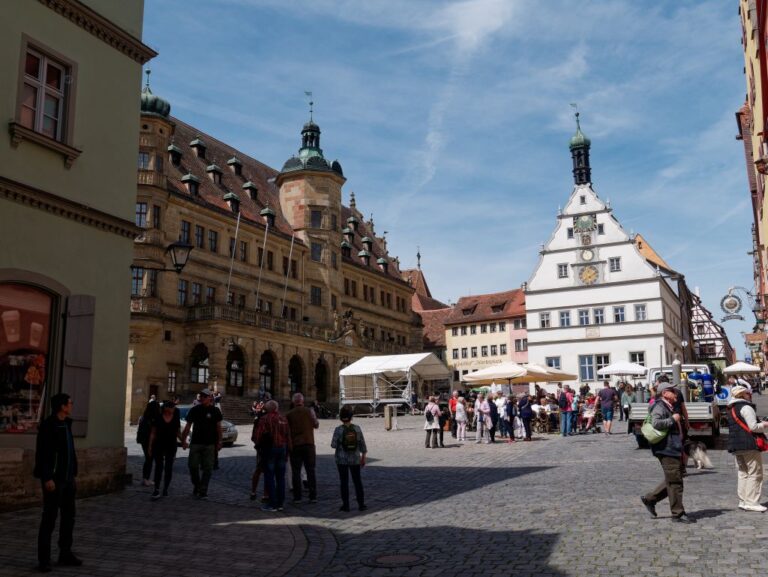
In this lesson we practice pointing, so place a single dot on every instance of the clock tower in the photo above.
(593, 298)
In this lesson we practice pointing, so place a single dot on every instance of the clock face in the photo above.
(584, 222)
(587, 255)
(588, 275)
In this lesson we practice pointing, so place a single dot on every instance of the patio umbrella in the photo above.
(501, 372)
(740, 368)
(539, 374)
(623, 369)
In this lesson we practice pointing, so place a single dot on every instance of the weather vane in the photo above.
(311, 103)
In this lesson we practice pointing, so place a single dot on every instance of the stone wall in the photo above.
(101, 470)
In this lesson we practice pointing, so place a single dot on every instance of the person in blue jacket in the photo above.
(526, 414)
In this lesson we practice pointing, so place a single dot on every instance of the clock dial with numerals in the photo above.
(584, 222)
(587, 254)
(588, 275)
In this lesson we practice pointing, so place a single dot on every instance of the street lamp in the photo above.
(179, 255)
(132, 359)
(179, 252)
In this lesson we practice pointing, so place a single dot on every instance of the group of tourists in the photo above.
(282, 439)
(511, 417)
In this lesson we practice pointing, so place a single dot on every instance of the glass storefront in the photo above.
(25, 330)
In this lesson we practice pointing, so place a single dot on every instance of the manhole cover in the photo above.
(397, 560)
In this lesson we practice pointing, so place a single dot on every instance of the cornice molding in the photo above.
(65, 208)
(103, 29)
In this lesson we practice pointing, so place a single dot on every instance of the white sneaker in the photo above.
(756, 508)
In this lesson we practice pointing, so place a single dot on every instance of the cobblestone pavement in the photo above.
(553, 507)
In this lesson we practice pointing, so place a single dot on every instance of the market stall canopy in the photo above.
(500, 372)
(623, 368)
(426, 365)
(740, 367)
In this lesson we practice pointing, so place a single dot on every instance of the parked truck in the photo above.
(703, 416)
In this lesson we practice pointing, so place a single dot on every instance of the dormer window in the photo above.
(346, 249)
(497, 308)
(192, 183)
(251, 190)
(349, 234)
(174, 153)
(269, 216)
(468, 311)
(233, 201)
(352, 223)
(383, 264)
(198, 146)
(235, 165)
(214, 173)
(367, 243)
(365, 257)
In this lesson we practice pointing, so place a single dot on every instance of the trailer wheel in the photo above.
(642, 442)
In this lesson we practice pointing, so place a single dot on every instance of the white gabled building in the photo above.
(600, 295)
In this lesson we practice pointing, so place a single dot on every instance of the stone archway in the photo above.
(267, 373)
(235, 371)
(321, 381)
(295, 374)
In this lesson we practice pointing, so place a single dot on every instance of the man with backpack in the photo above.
(565, 403)
(350, 455)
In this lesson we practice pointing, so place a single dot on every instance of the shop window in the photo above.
(25, 339)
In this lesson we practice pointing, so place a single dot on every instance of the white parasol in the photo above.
(740, 368)
(623, 369)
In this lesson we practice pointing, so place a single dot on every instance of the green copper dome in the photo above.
(152, 104)
(579, 140)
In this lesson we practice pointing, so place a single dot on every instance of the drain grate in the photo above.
(397, 560)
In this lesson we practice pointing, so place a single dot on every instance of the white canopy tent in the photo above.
(387, 379)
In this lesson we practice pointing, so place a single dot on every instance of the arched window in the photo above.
(266, 373)
(199, 367)
(321, 381)
(235, 370)
(295, 374)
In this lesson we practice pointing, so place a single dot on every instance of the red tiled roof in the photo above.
(482, 307)
(211, 194)
(416, 279)
(421, 303)
(434, 326)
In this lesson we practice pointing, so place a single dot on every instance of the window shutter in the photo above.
(78, 355)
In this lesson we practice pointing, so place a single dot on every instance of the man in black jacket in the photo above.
(669, 452)
(56, 467)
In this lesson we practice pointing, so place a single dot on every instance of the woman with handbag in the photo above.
(746, 440)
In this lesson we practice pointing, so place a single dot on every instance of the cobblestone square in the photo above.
(552, 507)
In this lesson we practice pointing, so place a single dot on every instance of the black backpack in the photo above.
(349, 438)
(429, 416)
(562, 402)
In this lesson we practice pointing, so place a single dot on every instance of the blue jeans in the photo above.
(274, 475)
(565, 423)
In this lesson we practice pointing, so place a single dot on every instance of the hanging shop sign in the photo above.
(731, 305)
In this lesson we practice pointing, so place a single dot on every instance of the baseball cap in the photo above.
(206, 392)
(664, 387)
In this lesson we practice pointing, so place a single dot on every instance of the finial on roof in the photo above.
(147, 72)
(311, 104)
(352, 203)
(418, 257)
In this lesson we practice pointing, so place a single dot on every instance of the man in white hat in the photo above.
(743, 429)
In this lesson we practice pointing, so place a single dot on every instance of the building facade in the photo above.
(285, 285)
(751, 123)
(71, 70)
(711, 344)
(485, 330)
(600, 295)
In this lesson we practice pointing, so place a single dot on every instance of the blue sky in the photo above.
(452, 119)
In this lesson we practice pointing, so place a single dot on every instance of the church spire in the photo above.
(580, 145)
